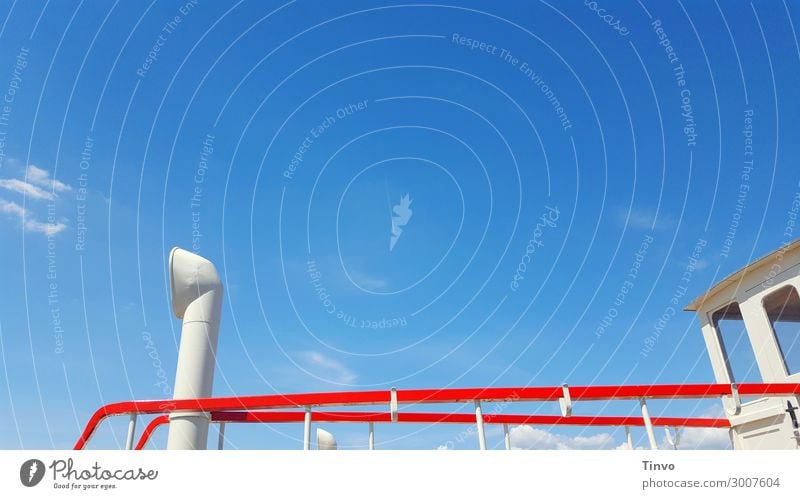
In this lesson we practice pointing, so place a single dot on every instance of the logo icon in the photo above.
(31, 472)
(403, 215)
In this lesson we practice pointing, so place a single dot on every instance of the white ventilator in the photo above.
(325, 440)
(197, 299)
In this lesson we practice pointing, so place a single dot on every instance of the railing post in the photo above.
(673, 442)
(479, 423)
(371, 436)
(736, 400)
(307, 430)
(629, 437)
(393, 404)
(648, 424)
(565, 402)
(506, 437)
(131, 432)
(221, 439)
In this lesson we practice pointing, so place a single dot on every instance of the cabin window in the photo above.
(783, 311)
(735, 344)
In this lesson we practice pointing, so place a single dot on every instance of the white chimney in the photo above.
(197, 299)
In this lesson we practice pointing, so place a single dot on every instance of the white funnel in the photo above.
(325, 440)
(197, 299)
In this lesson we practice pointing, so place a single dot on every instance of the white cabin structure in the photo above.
(756, 310)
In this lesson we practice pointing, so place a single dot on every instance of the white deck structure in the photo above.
(757, 307)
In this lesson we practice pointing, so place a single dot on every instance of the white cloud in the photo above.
(702, 438)
(41, 177)
(47, 229)
(367, 281)
(11, 208)
(25, 188)
(37, 186)
(328, 368)
(29, 223)
(644, 220)
(528, 437)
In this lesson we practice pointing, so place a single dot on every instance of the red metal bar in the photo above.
(433, 417)
(148, 431)
(450, 395)
(428, 417)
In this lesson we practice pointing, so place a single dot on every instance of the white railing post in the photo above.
(629, 437)
(131, 432)
(648, 424)
(371, 436)
(307, 430)
(221, 439)
(506, 437)
(677, 440)
(565, 402)
(393, 404)
(479, 423)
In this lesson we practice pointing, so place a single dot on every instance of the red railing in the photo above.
(257, 409)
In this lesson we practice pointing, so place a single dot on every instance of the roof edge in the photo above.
(698, 302)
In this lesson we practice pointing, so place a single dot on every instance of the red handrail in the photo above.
(450, 395)
(432, 417)
(148, 431)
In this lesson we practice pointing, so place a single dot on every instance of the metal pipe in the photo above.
(221, 438)
(197, 299)
(506, 436)
(371, 436)
(629, 437)
(307, 430)
(648, 424)
(131, 432)
(479, 423)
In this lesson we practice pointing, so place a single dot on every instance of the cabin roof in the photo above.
(735, 278)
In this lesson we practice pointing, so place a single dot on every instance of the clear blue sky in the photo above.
(130, 128)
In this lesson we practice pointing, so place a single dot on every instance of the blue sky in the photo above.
(277, 139)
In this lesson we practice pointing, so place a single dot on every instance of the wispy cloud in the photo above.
(368, 281)
(328, 368)
(11, 208)
(26, 189)
(41, 177)
(702, 438)
(30, 223)
(43, 227)
(38, 186)
(640, 219)
(528, 437)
